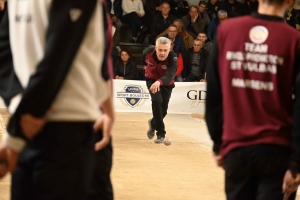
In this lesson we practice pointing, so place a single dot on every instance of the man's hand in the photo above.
(8, 160)
(104, 123)
(2, 4)
(139, 14)
(218, 159)
(114, 18)
(31, 125)
(202, 80)
(155, 87)
(194, 19)
(290, 182)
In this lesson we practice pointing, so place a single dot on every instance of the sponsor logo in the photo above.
(197, 97)
(133, 95)
(164, 67)
(258, 34)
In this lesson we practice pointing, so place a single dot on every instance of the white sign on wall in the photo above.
(133, 96)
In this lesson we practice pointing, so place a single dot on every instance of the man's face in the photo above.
(194, 12)
(201, 8)
(222, 18)
(172, 32)
(213, 1)
(162, 51)
(197, 45)
(165, 9)
(202, 37)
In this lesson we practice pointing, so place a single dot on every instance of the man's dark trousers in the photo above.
(160, 102)
(256, 172)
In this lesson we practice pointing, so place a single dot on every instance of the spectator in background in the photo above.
(2, 7)
(197, 58)
(250, 6)
(233, 8)
(192, 22)
(180, 65)
(162, 20)
(207, 44)
(213, 6)
(125, 67)
(152, 7)
(291, 14)
(212, 28)
(179, 8)
(187, 37)
(203, 14)
(133, 10)
(115, 8)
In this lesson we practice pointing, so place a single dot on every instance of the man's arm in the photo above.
(146, 51)
(9, 83)
(63, 39)
(213, 106)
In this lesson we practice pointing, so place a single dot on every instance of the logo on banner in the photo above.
(133, 95)
(197, 97)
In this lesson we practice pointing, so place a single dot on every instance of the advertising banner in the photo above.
(133, 96)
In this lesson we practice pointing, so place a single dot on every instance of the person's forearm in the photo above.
(107, 106)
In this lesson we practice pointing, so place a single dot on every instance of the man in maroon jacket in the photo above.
(253, 104)
(161, 66)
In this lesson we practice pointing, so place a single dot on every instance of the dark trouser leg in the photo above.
(134, 20)
(117, 25)
(56, 164)
(101, 186)
(255, 172)
(160, 101)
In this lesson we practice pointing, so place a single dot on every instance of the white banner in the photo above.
(133, 96)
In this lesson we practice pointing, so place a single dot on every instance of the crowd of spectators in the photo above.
(191, 29)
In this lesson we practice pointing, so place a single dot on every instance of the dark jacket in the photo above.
(159, 23)
(212, 28)
(212, 9)
(117, 8)
(177, 10)
(194, 27)
(162, 71)
(203, 62)
(179, 46)
(128, 71)
(150, 6)
(233, 9)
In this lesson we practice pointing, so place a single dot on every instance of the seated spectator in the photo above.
(206, 42)
(125, 67)
(250, 6)
(179, 8)
(213, 6)
(213, 25)
(203, 14)
(196, 63)
(115, 8)
(162, 20)
(180, 65)
(133, 10)
(152, 7)
(233, 8)
(187, 37)
(291, 15)
(192, 22)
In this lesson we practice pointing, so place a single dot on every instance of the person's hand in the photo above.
(114, 18)
(2, 4)
(121, 77)
(218, 159)
(194, 19)
(290, 182)
(176, 8)
(155, 87)
(139, 14)
(184, 79)
(31, 125)
(158, 8)
(104, 123)
(202, 80)
(8, 160)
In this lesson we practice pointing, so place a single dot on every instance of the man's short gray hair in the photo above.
(163, 40)
(222, 13)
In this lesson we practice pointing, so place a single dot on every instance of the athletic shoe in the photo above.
(150, 132)
(159, 140)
